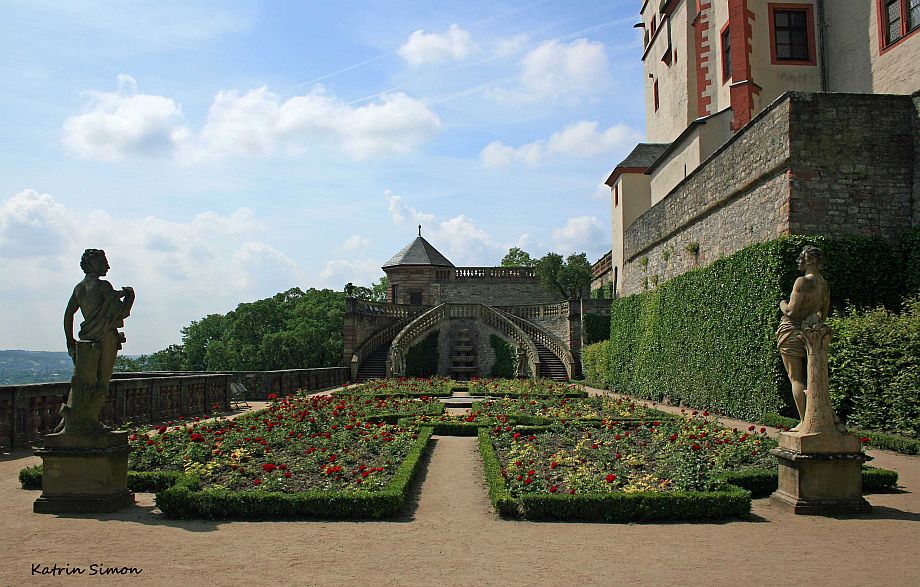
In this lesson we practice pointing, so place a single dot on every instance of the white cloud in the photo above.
(336, 273)
(255, 123)
(355, 244)
(458, 238)
(581, 234)
(581, 139)
(181, 270)
(423, 48)
(555, 70)
(121, 124)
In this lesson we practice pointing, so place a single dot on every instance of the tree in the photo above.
(570, 278)
(374, 293)
(517, 258)
(197, 337)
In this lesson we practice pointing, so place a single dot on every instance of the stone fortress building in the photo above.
(465, 306)
(765, 119)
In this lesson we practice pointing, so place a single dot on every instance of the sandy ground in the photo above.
(449, 535)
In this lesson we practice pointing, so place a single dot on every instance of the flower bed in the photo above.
(564, 408)
(436, 386)
(629, 471)
(520, 387)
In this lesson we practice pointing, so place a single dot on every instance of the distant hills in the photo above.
(34, 367)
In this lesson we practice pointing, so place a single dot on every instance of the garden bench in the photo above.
(238, 393)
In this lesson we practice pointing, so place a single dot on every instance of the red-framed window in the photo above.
(897, 19)
(792, 34)
(655, 94)
(726, 39)
(616, 196)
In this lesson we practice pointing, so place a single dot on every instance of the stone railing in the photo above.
(29, 411)
(494, 273)
(373, 343)
(538, 311)
(385, 309)
(500, 322)
(556, 346)
(413, 330)
(489, 316)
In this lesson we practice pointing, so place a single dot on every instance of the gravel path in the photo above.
(450, 536)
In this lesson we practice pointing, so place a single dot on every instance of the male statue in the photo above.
(809, 302)
(104, 310)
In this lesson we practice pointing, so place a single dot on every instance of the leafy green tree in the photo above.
(517, 258)
(197, 337)
(375, 293)
(570, 277)
(168, 359)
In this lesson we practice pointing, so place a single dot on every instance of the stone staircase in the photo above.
(375, 366)
(550, 365)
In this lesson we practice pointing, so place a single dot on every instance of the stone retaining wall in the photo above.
(808, 164)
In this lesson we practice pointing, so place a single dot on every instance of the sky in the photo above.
(221, 152)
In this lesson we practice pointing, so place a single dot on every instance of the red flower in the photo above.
(553, 465)
(763, 430)
(288, 474)
(528, 481)
(554, 489)
(695, 446)
(272, 396)
(269, 467)
(865, 440)
(751, 428)
(257, 482)
(610, 478)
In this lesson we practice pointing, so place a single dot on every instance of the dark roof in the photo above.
(643, 155)
(418, 252)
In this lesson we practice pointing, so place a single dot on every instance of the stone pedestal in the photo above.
(820, 474)
(84, 474)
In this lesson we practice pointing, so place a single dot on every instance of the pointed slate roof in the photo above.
(418, 252)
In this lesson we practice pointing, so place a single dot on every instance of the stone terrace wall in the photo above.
(736, 197)
(29, 411)
(492, 292)
(916, 126)
(852, 158)
(808, 164)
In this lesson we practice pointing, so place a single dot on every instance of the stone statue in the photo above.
(104, 310)
(520, 369)
(819, 463)
(809, 303)
(399, 364)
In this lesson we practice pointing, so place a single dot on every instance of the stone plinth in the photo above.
(820, 475)
(84, 474)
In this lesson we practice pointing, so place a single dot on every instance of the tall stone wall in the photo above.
(808, 164)
(916, 140)
(852, 160)
(738, 196)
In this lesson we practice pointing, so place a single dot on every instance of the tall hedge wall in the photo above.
(706, 337)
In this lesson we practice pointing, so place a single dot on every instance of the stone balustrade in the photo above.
(29, 411)
(528, 273)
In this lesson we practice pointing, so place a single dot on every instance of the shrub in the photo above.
(504, 357)
(873, 368)
(595, 361)
(706, 337)
(422, 357)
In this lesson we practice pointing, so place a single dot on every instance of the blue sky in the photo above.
(224, 151)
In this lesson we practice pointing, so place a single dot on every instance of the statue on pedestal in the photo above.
(819, 463)
(104, 310)
(520, 368)
(85, 466)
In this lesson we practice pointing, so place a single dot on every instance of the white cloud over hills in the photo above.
(182, 270)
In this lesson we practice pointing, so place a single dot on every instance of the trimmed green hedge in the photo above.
(595, 364)
(762, 482)
(139, 481)
(422, 357)
(188, 500)
(874, 369)
(504, 357)
(880, 440)
(499, 495)
(707, 337)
